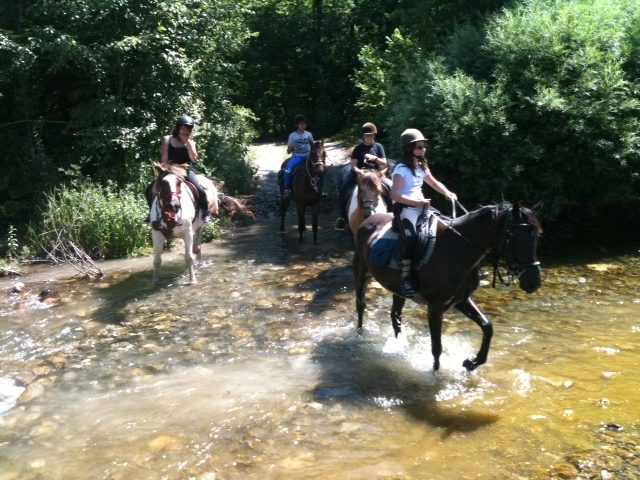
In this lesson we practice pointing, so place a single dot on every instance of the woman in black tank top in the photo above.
(180, 148)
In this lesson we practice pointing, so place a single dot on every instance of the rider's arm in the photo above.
(396, 196)
(191, 147)
(290, 144)
(439, 187)
(164, 158)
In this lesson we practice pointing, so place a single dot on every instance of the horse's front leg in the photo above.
(315, 212)
(360, 273)
(436, 311)
(189, 257)
(301, 224)
(471, 310)
(284, 205)
(158, 243)
(396, 314)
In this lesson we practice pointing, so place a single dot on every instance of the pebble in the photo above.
(164, 443)
(17, 287)
(33, 391)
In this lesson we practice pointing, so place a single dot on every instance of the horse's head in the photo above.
(317, 158)
(519, 246)
(168, 187)
(369, 191)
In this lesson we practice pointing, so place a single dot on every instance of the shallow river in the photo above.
(257, 372)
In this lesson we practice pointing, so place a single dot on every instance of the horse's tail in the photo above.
(233, 205)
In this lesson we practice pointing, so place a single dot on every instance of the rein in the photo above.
(493, 255)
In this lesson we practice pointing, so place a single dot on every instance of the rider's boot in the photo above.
(406, 287)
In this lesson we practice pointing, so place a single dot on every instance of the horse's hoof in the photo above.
(470, 365)
(359, 331)
(436, 365)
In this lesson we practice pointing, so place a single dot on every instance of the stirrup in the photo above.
(340, 224)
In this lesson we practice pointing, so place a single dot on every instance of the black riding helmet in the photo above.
(299, 118)
(185, 120)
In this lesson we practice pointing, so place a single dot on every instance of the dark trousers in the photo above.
(408, 234)
(202, 200)
(346, 186)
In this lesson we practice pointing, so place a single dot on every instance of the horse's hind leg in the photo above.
(396, 314)
(471, 310)
(284, 205)
(189, 258)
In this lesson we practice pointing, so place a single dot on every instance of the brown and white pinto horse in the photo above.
(366, 198)
(174, 214)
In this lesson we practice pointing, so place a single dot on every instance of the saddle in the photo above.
(386, 250)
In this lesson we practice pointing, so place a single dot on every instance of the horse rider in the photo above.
(299, 145)
(367, 154)
(409, 202)
(180, 148)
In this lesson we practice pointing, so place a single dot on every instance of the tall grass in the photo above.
(107, 222)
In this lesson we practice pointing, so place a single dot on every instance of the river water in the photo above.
(257, 372)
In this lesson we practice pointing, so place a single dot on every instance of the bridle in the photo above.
(516, 232)
(316, 165)
(167, 199)
(507, 249)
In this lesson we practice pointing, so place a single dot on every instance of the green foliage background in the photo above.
(521, 100)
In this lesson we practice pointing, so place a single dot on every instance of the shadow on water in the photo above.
(137, 286)
(353, 371)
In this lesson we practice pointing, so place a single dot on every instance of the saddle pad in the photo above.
(382, 247)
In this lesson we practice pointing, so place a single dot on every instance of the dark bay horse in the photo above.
(306, 189)
(497, 232)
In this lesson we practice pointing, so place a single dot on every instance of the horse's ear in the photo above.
(537, 207)
(516, 212)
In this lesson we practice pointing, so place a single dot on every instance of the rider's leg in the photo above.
(203, 203)
(348, 182)
(288, 171)
(408, 239)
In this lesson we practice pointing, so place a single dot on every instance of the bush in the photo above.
(541, 103)
(106, 222)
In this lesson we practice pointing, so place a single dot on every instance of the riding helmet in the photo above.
(369, 128)
(185, 120)
(410, 136)
(299, 118)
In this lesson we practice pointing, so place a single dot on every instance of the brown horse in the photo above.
(306, 189)
(365, 199)
(452, 274)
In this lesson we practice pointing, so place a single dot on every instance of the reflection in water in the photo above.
(257, 372)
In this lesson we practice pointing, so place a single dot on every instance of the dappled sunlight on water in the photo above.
(258, 372)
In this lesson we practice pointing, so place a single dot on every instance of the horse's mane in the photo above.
(502, 208)
(177, 169)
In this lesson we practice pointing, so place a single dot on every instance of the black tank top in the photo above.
(178, 155)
